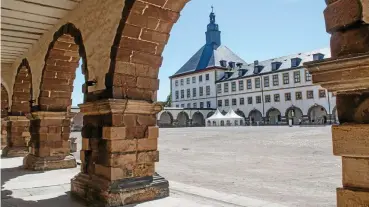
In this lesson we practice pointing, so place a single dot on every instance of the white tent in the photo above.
(230, 119)
(233, 119)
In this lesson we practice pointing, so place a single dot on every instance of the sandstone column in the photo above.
(18, 136)
(49, 146)
(347, 74)
(119, 151)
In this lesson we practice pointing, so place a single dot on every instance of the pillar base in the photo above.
(97, 191)
(15, 151)
(32, 162)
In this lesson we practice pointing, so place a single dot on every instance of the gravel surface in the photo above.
(290, 166)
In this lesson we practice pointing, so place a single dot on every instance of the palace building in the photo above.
(268, 92)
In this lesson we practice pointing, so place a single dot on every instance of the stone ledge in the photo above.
(14, 151)
(32, 162)
(352, 197)
(98, 192)
(351, 140)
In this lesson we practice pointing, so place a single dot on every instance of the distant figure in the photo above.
(300, 121)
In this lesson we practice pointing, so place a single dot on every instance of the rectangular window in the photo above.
(220, 103)
(177, 106)
(310, 94)
(195, 105)
(226, 102)
(267, 98)
(182, 105)
(277, 98)
(234, 102)
(188, 81)
(297, 76)
(207, 77)
(233, 85)
(208, 104)
(240, 85)
(182, 82)
(182, 93)
(188, 105)
(249, 84)
(258, 99)
(257, 82)
(266, 81)
(194, 92)
(322, 93)
(200, 78)
(287, 96)
(208, 90)
(201, 91)
(249, 100)
(307, 76)
(219, 88)
(275, 80)
(188, 93)
(201, 105)
(286, 78)
(242, 101)
(176, 82)
(225, 87)
(298, 95)
(177, 94)
(193, 79)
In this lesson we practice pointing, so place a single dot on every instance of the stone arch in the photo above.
(182, 119)
(61, 62)
(22, 90)
(317, 114)
(223, 112)
(273, 115)
(240, 113)
(4, 101)
(166, 119)
(210, 114)
(198, 119)
(255, 116)
(297, 114)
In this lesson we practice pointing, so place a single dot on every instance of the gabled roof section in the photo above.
(209, 56)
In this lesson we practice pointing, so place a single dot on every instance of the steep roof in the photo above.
(209, 56)
(285, 63)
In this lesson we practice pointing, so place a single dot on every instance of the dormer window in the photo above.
(258, 68)
(295, 62)
(232, 64)
(239, 65)
(223, 63)
(276, 65)
(318, 56)
(241, 72)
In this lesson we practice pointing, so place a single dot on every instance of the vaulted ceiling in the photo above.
(23, 22)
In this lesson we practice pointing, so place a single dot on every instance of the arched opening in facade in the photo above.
(224, 112)
(255, 116)
(317, 114)
(210, 114)
(4, 102)
(19, 125)
(198, 119)
(335, 116)
(182, 119)
(295, 114)
(221, 123)
(62, 59)
(240, 113)
(166, 119)
(273, 116)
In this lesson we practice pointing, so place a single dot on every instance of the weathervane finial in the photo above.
(212, 8)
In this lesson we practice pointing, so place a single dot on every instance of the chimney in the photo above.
(256, 62)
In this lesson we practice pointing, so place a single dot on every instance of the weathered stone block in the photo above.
(113, 173)
(120, 145)
(113, 133)
(117, 160)
(86, 144)
(153, 132)
(354, 198)
(351, 140)
(341, 14)
(355, 172)
(147, 144)
(148, 157)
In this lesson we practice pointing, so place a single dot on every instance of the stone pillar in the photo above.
(347, 74)
(49, 145)
(4, 132)
(18, 137)
(119, 151)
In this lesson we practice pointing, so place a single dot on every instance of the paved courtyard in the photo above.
(244, 166)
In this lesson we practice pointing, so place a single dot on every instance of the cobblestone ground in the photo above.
(290, 166)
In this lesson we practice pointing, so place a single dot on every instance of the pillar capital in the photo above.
(49, 115)
(125, 106)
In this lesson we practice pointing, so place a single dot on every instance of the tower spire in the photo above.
(213, 33)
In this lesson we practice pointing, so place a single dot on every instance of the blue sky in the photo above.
(254, 30)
